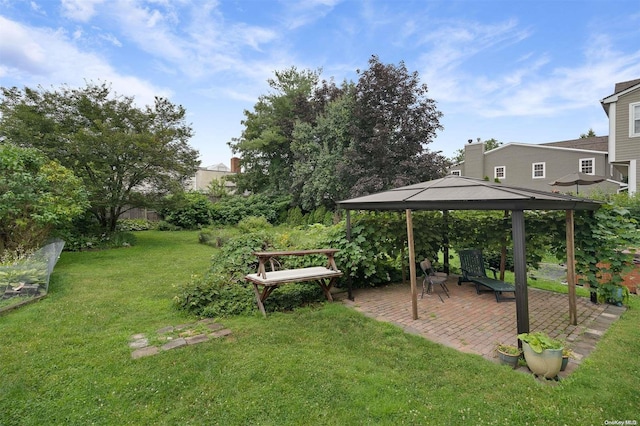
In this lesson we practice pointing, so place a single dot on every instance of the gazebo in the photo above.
(464, 193)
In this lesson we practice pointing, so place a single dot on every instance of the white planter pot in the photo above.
(546, 364)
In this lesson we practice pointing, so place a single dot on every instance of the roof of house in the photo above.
(595, 143)
(621, 87)
(619, 90)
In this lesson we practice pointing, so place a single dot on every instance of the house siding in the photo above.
(627, 148)
(519, 160)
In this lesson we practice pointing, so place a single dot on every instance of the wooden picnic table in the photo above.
(324, 276)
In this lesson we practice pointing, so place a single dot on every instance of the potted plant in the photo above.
(566, 354)
(509, 354)
(542, 353)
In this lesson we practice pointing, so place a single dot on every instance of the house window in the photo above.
(537, 170)
(634, 119)
(587, 165)
(456, 172)
(499, 172)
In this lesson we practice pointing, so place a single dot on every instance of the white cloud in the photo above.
(300, 13)
(32, 55)
(20, 51)
(534, 84)
(80, 10)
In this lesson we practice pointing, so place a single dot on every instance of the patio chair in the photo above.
(432, 277)
(474, 270)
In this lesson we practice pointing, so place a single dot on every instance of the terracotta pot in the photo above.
(546, 364)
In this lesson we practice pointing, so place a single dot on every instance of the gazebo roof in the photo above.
(465, 193)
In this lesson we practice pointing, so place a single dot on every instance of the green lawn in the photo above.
(65, 360)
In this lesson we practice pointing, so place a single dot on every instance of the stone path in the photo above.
(173, 337)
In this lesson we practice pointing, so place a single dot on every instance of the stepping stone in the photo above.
(196, 339)
(221, 333)
(183, 326)
(148, 351)
(165, 330)
(214, 326)
(137, 336)
(174, 344)
(140, 343)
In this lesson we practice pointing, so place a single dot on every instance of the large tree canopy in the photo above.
(265, 144)
(323, 143)
(36, 195)
(124, 154)
(393, 121)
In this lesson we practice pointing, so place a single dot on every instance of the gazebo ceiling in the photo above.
(465, 193)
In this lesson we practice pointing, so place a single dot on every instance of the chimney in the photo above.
(235, 165)
(474, 159)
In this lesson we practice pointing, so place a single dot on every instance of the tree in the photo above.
(265, 144)
(36, 195)
(393, 121)
(319, 151)
(589, 134)
(126, 156)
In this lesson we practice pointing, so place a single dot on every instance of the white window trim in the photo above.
(632, 120)
(504, 172)
(593, 165)
(533, 170)
(456, 172)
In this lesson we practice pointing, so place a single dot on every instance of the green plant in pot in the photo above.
(542, 353)
(509, 354)
(566, 354)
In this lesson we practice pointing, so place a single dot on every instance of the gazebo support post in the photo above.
(349, 290)
(412, 266)
(520, 269)
(445, 240)
(571, 269)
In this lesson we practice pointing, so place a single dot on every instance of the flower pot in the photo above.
(508, 359)
(546, 364)
(565, 362)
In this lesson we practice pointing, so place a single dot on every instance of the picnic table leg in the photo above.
(259, 299)
(326, 288)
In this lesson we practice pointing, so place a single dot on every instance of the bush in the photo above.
(166, 226)
(135, 225)
(192, 210)
(252, 224)
(231, 210)
(101, 241)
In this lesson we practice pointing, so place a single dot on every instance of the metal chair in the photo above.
(432, 277)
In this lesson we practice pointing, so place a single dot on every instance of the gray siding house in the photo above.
(615, 157)
(623, 110)
(537, 166)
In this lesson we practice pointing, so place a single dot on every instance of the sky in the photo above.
(512, 70)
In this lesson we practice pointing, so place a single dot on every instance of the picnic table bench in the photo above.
(325, 276)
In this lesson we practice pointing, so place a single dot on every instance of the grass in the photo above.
(65, 360)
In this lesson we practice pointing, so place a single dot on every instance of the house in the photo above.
(205, 175)
(536, 166)
(623, 110)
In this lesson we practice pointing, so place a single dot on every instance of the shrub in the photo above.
(135, 225)
(252, 223)
(231, 210)
(166, 226)
(192, 210)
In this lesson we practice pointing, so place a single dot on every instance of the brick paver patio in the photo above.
(476, 323)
